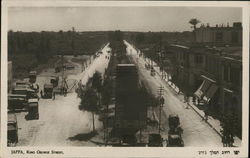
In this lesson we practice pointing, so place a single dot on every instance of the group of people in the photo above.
(227, 139)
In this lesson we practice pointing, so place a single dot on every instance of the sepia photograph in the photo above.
(123, 76)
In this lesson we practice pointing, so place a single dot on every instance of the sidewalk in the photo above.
(213, 123)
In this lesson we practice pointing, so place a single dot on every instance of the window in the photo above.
(219, 36)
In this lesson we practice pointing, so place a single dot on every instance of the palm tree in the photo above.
(194, 22)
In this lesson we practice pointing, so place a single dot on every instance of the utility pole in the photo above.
(161, 102)
(64, 85)
(62, 88)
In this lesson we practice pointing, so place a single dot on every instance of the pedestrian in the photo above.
(65, 91)
(231, 140)
(41, 93)
(224, 141)
(54, 95)
(206, 114)
(227, 140)
(37, 87)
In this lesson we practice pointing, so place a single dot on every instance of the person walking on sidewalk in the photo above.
(223, 139)
(231, 140)
(205, 115)
(41, 93)
(54, 94)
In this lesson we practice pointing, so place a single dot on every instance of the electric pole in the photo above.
(161, 102)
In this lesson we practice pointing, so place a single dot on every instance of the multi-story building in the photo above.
(219, 34)
(211, 71)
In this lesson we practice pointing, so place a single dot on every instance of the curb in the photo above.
(195, 110)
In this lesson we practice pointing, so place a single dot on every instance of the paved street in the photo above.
(197, 133)
(61, 123)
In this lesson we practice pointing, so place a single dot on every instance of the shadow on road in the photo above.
(83, 136)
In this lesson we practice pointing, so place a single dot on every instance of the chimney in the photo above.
(227, 24)
(216, 25)
(208, 25)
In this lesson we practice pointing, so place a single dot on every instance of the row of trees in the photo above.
(38, 47)
(91, 95)
(98, 91)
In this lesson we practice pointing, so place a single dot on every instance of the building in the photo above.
(212, 72)
(213, 75)
(220, 34)
(129, 114)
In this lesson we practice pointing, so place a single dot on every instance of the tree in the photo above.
(107, 91)
(97, 81)
(194, 22)
(89, 103)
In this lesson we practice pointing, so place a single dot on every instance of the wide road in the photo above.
(197, 133)
(61, 123)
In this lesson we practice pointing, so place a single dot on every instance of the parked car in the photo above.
(47, 91)
(54, 80)
(174, 125)
(173, 121)
(155, 140)
(174, 140)
(33, 112)
(12, 134)
(22, 84)
(17, 102)
(32, 76)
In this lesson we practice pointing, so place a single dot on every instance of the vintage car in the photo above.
(54, 80)
(12, 134)
(33, 112)
(17, 102)
(155, 140)
(174, 125)
(20, 90)
(28, 92)
(174, 140)
(32, 76)
(48, 91)
(22, 84)
(173, 121)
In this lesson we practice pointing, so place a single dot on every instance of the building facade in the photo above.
(211, 72)
(220, 34)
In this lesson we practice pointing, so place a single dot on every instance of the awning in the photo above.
(210, 92)
(202, 89)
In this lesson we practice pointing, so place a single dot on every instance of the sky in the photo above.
(163, 18)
